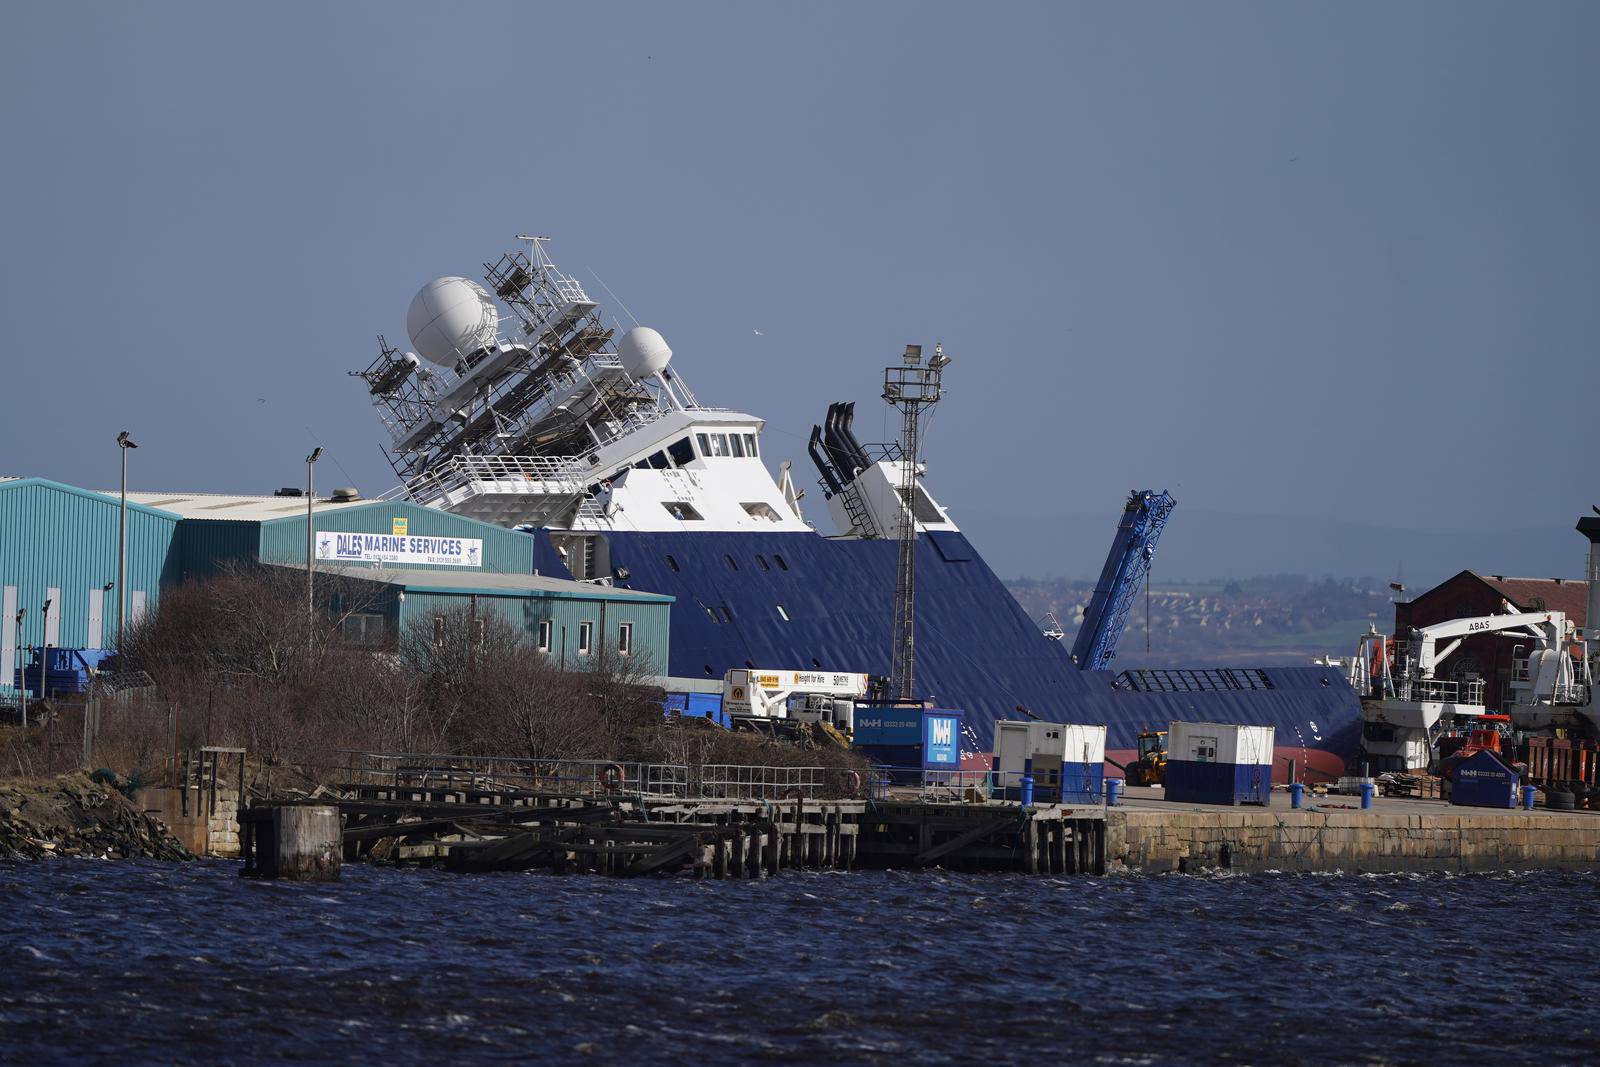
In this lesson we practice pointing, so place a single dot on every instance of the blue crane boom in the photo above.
(1143, 518)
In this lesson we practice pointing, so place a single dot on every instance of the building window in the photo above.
(782, 566)
(546, 632)
(438, 631)
(585, 637)
(625, 638)
(784, 615)
(673, 564)
(362, 629)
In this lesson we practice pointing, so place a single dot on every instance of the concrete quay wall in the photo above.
(1158, 841)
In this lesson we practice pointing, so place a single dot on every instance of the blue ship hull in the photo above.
(800, 600)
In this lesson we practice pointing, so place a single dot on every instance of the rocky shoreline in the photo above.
(75, 815)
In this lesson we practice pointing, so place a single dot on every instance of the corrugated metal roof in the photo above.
(491, 584)
(1570, 596)
(235, 506)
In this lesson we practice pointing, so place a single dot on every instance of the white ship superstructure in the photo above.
(531, 411)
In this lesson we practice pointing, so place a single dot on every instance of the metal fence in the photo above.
(590, 778)
(974, 786)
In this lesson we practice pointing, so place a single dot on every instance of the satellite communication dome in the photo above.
(643, 352)
(450, 318)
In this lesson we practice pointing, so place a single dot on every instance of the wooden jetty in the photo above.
(486, 829)
(480, 827)
(995, 836)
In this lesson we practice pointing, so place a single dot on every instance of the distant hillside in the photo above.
(1201, 546)
(1266, 620)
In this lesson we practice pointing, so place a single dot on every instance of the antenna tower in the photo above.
(911, 387)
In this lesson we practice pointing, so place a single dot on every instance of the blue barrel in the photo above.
(1366, 794)
(1297, 793)
(1027, 790)
(1113, 792)
(1527, 797)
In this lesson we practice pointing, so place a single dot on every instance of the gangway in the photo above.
(1143, 518)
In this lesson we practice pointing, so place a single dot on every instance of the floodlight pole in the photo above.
(22, 664)
(311, 497)
(123, 444)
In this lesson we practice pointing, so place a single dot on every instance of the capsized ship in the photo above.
(519, 404)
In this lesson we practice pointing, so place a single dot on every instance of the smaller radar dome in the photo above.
(450, 318)
(643, 352)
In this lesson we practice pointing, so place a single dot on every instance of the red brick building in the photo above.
(1488, 656)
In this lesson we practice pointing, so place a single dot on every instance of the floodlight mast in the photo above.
(910, 387)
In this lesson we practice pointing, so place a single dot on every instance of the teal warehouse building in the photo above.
(59, 543)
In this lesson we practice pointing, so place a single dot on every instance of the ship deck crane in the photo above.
(1143, 518)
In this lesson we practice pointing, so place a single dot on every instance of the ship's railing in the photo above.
(1440, 691)
(545, 475)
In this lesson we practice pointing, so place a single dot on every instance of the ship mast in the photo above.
(910, 387)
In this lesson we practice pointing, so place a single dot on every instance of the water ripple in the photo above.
(135, 961)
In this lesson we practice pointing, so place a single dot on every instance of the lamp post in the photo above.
(44, 651)
(124, 442)
(21, 665)
(311, 496)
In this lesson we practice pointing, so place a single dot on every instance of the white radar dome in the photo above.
(643, 352)
(450, 318)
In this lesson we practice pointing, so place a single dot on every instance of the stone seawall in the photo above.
(1334, 841)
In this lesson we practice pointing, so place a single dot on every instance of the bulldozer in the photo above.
(1150, 766)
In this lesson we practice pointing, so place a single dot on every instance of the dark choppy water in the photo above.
(138, 962)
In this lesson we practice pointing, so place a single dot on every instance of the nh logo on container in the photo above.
(942, 731)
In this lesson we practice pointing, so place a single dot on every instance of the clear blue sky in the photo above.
(1284, 259)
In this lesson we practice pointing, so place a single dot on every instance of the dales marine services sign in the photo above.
(340, 547)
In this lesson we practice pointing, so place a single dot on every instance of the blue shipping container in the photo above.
(1193, 782)
(928, 738)
(1483, 781)
(698, 706)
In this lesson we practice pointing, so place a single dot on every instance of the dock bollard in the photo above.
(1366, 794)
(1027, 790)
(1527, 797)
(1113, 792)
(1297, 794)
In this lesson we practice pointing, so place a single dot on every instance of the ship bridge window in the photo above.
(658, 460)
(750, 445)
(681, 451)
(682, 510)
(922, 506)
(721, 445)
(761, 510)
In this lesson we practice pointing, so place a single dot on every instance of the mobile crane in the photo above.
(1144, 516)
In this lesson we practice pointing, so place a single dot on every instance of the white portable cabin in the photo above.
(1068, 759)
(1219, 763)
